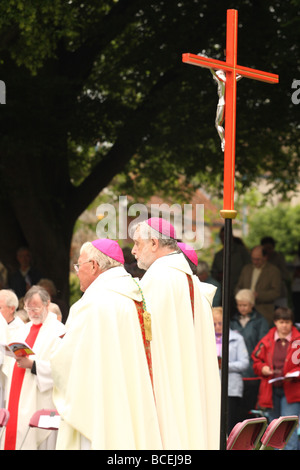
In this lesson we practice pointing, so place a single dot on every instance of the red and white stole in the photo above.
(147, 347)
(15, 392)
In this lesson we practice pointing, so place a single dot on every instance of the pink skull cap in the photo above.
(109, 248)
(162, 226)
(189, 252)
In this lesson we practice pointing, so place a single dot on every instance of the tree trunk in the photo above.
(35, 190)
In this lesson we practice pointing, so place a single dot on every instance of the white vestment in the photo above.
(14, 328)
(36, 392)
(102, 385)
(185, 368)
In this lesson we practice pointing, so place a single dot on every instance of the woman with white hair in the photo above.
(252, 326)
(9, 303)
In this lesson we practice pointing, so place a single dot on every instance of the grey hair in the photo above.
(202, 267)
(48, 285)
(10, 297)
(44, 295)
(147, 233)
(105, 262)
(245, 295)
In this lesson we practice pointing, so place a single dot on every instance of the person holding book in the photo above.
(276, 359)
(29, 383)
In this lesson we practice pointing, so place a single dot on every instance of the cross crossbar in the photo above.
(238, 69)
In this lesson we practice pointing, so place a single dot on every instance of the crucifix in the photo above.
(231, 71)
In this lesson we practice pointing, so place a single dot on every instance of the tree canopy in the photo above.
(282, 222)
(98, 89)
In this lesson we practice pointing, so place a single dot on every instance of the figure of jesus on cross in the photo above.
(232, 71)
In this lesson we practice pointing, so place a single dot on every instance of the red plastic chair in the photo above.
(4, 417)
(279, 432)
(51, 424)
(246, 435)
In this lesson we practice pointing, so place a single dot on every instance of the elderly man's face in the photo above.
(36, 309)
(84, 273)
(143, 250)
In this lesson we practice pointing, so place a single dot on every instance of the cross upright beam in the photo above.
(231, 70)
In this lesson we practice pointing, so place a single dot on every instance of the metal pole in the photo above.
(225, 331)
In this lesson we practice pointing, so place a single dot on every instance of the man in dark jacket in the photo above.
(26, 276)
(264, 279)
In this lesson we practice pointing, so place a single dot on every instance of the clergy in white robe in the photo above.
(102, 369)
(29, 381)
(185, 369)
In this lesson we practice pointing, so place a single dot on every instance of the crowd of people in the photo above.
(136, 364)
(263, 364)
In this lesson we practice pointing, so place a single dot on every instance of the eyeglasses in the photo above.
(76, 266)
(33, 309)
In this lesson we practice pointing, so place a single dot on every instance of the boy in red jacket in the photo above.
(276, 359)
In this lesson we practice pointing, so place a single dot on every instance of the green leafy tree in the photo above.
(282, 223)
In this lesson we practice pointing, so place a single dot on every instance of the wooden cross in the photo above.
(231, 70)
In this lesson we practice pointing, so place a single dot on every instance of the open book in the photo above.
(17, 349)
(287, 376)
